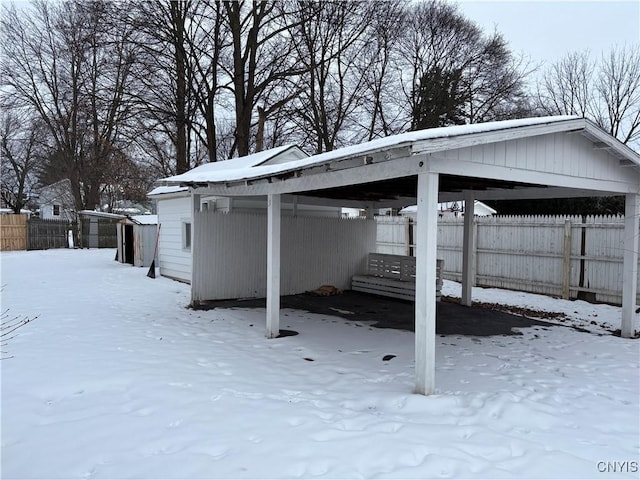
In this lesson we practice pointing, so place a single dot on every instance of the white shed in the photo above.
(174, 206)
(548, 157)
(137, 239)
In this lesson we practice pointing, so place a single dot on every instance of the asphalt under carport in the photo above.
(451, 318)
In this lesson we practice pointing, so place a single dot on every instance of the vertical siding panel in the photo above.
(315, 251)
(500, 154)
(173, 261)
(521, 153)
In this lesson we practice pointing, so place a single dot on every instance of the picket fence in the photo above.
(564, 256)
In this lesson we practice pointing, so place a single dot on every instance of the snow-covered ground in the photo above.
(117, 379)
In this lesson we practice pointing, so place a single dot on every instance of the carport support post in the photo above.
(630, 264)
(273, 265)
(425, 323)
(468, 254)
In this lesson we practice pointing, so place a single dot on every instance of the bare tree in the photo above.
(71, 63)
(208, 40)
(165, 68)
(332, 40)
(381, 114)
(8, 330)
(20, 156)
(262, 56)
(618, 86)
(606, 91)
(566, 87)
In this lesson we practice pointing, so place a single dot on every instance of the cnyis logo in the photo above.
(618, 467)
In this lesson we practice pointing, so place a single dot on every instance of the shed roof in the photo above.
(144, 219)
(93, 213)
(274, 156)
(173, 190)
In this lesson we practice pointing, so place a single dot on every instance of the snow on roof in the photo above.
(9, 211)
(239, 173)
(145, 219)
(167, 190)
(246, 163)
(93, 213)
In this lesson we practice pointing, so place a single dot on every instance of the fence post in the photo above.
(407, 235)
(468, 250)
(566, 260)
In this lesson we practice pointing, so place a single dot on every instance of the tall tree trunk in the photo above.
(178, 18)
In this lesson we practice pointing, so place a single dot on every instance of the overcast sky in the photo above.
(546, 30)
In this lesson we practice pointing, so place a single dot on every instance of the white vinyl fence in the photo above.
(564, 256)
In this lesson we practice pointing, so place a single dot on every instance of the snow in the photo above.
(167, 190)
(240, 163)
(117, 379)
(145, 219)
(211, 173)
(94, 213)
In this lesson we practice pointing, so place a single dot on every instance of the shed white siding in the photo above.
(315, 251)
(174, 260)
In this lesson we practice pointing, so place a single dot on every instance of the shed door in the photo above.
(128, 244)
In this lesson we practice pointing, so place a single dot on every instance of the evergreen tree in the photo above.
(440, 102)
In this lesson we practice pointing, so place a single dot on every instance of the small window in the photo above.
(56, 210)
(186, 235)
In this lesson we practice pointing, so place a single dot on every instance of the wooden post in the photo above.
(630, 264)
(273, 265)
(468, 254)
(407, 235)
(425, 321)
(566, 261)
(370, 209)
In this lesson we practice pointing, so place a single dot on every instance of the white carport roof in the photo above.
(431, 146)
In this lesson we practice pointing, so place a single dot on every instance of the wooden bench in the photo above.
(393, 276)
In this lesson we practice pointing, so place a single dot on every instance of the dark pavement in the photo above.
(451, 318)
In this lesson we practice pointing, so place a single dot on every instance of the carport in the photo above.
(548, 157)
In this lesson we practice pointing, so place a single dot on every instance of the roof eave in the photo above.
(601, 139)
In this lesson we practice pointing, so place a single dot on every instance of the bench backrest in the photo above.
(397, 267)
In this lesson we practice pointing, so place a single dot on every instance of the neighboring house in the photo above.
(453, 208)
(174, 206)
(56, 201)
